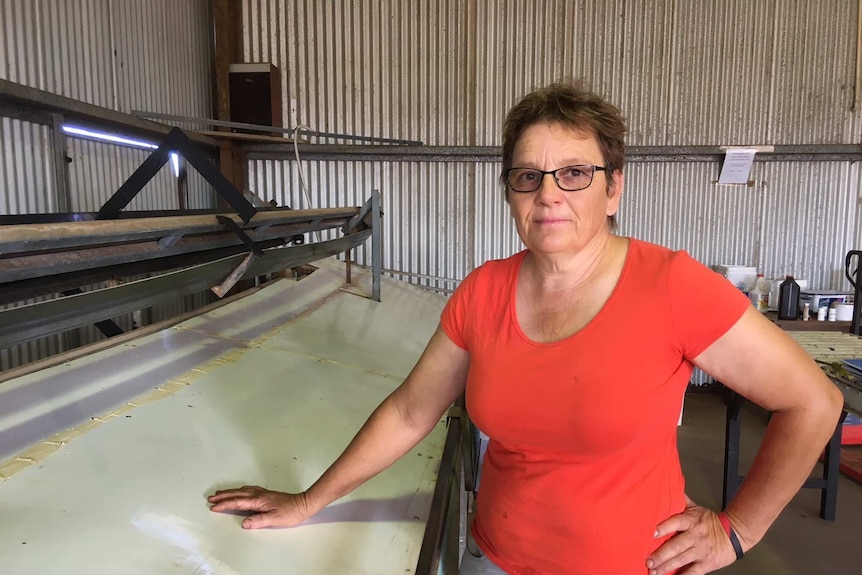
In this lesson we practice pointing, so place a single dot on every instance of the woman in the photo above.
(575, 355)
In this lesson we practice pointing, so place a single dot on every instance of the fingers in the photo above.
(700, 544)
(270, 508)
(674, 524)
(245, 490)
(673, 547)
(246, 498)
(689, 556)
(260, 521)
(241, 504)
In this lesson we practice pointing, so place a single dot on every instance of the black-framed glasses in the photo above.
(568, 178)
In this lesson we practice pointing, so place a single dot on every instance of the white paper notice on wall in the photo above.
(737, 166)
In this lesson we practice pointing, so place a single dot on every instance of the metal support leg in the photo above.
(61, 166)
(831, 461)
(376, 245)
(731, 447)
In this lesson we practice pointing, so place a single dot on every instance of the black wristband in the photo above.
(737, 548)
(731, 534)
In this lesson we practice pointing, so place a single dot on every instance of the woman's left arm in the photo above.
(759, 361)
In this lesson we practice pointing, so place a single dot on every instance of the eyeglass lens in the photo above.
(570, 178)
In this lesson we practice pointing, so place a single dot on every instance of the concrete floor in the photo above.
(799, 542)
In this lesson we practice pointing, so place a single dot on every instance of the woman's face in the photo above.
(551, 220)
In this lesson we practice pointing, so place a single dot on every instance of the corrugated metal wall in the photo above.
(124, 55)
(121, 54)
(684, 72)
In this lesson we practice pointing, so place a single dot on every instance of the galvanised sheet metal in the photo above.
(445, 219)
(120, 54)
(681, 207)
(113, 53)
(723, 56)
(623, 49)
(97, 170)
(385, 68)
(26, 171)
(266, 390)
(200, 195)
(684, 72)
(58, 46)
(814, 68)
(811, 220)
(494, 231)
(164, 56)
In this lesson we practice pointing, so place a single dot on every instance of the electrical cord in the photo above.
(296, 132)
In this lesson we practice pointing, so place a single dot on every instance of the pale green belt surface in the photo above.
(277, 384)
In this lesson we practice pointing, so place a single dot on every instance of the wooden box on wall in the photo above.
(255, 96)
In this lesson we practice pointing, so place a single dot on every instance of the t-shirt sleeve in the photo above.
(455, 316)
(704, 305)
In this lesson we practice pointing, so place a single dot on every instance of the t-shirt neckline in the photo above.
(513, 292)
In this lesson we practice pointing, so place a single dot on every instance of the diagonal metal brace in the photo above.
(176, 141)
(233, 277)
(360, 221)
(238, 231)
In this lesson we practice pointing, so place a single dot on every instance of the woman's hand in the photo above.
(700, 543)
(270, 508)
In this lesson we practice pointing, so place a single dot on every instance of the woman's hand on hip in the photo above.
(269, 508)
(700, 545)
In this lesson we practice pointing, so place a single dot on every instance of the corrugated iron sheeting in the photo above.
(428, 222)
(494, 232)
(681, 207)
(121, 54)
(98, 169)
(26, 172)
(721, 88)
(622, 49)
(811, 221)
(814, 67)
(446, 72)
(443, 219)
(383, 68)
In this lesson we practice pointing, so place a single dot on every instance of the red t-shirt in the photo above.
(582, 463)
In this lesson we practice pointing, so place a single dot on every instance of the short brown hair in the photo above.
(573, 105)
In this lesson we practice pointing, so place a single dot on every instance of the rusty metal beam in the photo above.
(26, 323)
(38, 105)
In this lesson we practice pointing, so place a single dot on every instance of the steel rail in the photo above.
(634, 154)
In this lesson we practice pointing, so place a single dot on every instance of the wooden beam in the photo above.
(227, 23)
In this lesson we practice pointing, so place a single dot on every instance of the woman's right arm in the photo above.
(396, 426)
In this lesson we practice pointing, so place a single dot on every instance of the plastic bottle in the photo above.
(759, 295)
(788, 299)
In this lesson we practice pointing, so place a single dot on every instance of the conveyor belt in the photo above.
(265, 390)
